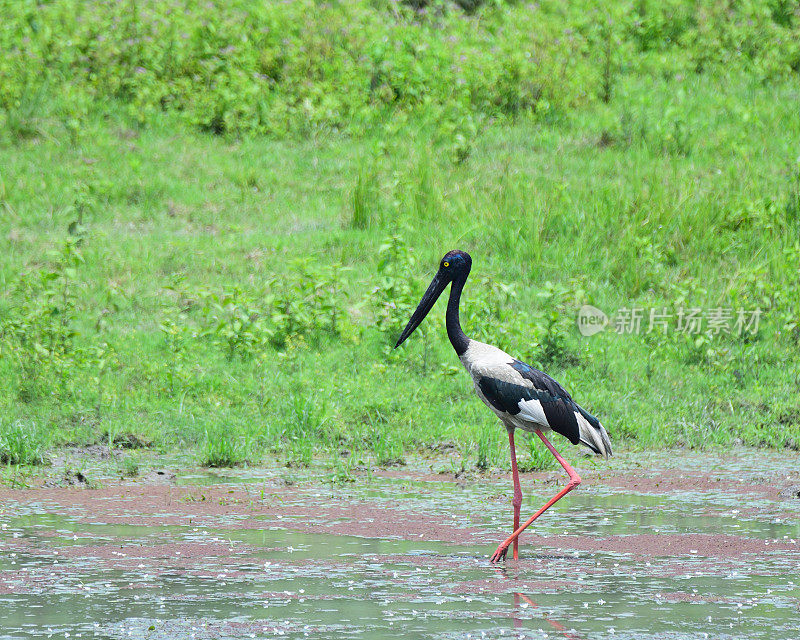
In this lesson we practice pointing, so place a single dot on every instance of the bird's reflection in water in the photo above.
(523, 601)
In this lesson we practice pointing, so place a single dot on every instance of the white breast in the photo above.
(485, 360)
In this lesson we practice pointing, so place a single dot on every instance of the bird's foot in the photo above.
(500, 554)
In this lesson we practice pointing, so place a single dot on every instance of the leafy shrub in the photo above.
(307, 306)
(177, 335)
(394, 298)
(294, 68)
(286, 67)
(39, 331)
(233, 321)
(553, 324)
(491, 313)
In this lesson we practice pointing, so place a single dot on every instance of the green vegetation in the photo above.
(130, 466)
(22, 443)
(217, 217)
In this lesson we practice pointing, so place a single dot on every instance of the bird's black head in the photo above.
(455, 265)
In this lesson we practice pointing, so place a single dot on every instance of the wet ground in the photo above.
(672, 545)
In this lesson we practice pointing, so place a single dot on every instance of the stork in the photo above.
(521, 396)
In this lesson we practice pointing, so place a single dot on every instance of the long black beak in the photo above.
(429, 298)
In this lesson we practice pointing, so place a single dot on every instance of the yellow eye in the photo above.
(446, 264)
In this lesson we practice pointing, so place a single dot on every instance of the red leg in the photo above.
(517, 501)
(574, 481)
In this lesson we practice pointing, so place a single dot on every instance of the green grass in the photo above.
(23, 443)
(221, 449)
(238, 297)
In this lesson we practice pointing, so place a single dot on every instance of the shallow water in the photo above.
(66, 575)
(348, 587)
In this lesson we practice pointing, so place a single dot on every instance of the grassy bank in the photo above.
(238, 296)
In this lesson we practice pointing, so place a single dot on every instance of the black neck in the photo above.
(459, 341)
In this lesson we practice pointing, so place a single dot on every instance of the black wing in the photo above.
(559, 408)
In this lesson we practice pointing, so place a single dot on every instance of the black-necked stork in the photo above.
(521, 396)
